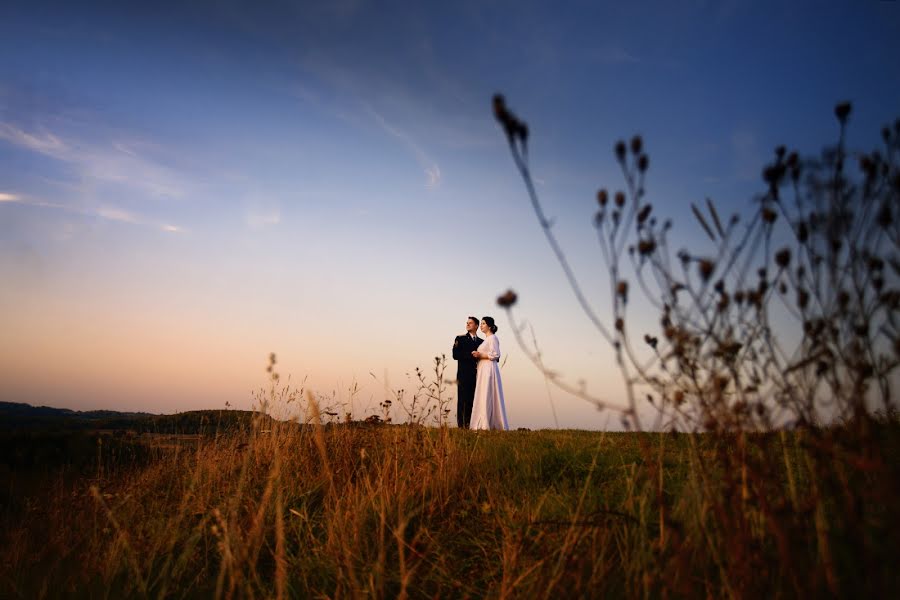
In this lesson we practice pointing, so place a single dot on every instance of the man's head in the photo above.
(472, 325)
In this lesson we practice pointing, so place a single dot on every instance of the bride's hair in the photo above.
(490, 323)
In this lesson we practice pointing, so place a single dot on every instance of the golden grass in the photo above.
(405, 511)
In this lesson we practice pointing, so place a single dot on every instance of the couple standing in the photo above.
(480, 404)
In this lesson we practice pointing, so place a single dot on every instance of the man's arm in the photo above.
(458, 353)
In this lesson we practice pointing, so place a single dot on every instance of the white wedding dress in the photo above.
(488, 408)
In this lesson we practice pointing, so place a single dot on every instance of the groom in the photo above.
(466, 367)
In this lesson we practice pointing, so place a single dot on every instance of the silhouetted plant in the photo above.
(716, 361)
(789, 319)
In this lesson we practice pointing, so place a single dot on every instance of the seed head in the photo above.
(620, 199)
(643, 163)
(842, 111)
(636, 144)
(645, 212)
(706, 268)
(792, 159)
(620, 150)
(783, 258)
(508, 299)
(602, 197)
(645, 247)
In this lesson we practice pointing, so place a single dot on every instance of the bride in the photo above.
(488, 408)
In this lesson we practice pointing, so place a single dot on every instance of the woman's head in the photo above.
(487, 324)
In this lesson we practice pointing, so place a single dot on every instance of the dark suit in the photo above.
(466, 367)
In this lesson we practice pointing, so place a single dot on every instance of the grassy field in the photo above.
(281, 510)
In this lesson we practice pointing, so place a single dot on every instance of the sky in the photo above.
(186, 187)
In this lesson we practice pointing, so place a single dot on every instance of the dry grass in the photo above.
(407, 511)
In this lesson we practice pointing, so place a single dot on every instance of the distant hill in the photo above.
(16, 415)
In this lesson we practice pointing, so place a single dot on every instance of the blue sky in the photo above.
(186, 187)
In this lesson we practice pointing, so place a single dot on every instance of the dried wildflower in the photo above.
(620, 324)
(644, 213)
(620, 199)
(622, 290)
(645, 247)
(620, 150)
(769, 215)
(706, 268)
(514, 128)
(773, 174)
(783, 258)
(802, 232)
(779, 152)
(792, 159)
(508, 299)
(802, 298)
(842, 111)
(602, 197)
(636, 144)
(867, 166)
(651, 341)
(643, 163)
(754, 298)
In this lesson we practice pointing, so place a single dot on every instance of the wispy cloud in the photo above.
(42, 142)
(111, 161)
(431, 168)
(108, 213)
